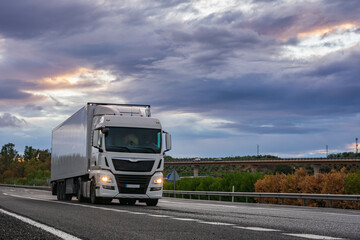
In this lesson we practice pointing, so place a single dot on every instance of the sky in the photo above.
(222, 76)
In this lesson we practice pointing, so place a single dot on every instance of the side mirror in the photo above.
(105, 130)
(96, 139)
(167, 142)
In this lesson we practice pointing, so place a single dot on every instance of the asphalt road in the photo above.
(171, 219)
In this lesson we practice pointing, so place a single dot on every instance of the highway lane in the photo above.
(181, 219)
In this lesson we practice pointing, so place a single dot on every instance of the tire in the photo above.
(53, 188)
(93, 198)
(68, 197)
(79, 195)
(58, 191)
(64, 196)
(63, 191)
(152, 202)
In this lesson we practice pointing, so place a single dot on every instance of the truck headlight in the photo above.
(158, 181)
(105, 179)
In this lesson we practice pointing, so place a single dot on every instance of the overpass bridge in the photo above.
(254, 163)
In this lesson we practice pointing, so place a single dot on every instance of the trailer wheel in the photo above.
(93, 198)
(79, 195)
(152, 202)
(53, 188)
(58, 191)
(62, 191)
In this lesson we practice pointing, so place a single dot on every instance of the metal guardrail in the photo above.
(46, 188)
(262, 196)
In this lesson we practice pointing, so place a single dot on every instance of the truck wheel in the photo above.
(93, 198)
(152, 202)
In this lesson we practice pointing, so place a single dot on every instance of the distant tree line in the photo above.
(31, 168)
(344, 155)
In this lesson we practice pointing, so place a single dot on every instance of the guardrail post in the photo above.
(190, 196)
(246, 199)
(304, 202)
(262, 199)
(182, 195)
(219, 197)
(232, 197)
(199, 196)
(282, 201)
(330, 203)
(208, 197)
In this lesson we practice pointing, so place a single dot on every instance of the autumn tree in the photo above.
(30, 153)
(8, 155)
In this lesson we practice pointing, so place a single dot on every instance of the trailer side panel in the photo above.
(69, 156)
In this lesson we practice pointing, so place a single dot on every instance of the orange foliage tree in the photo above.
(301, 182)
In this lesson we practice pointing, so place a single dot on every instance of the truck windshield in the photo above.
(139, 140)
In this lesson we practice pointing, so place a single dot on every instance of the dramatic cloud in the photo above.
(9, 121)
(23, 19)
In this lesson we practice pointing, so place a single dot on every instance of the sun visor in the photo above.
(121, 110)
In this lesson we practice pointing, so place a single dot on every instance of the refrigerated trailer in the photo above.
(109, 151)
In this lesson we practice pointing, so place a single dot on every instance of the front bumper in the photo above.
(129, 186)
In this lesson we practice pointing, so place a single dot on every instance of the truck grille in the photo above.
(123, 180)
(129, 166)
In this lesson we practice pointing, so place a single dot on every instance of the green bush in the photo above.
(242, 182)
(352, 183)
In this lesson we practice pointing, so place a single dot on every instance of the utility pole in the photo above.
(356, 143)
(258, 150)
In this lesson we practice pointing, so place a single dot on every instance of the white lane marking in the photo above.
(311, 236)
(156, 215)
(216, 223)
(54, 231)
(258, 229)
(184, 219)
(138, 213)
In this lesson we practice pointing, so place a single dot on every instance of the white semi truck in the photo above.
(107, 151)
